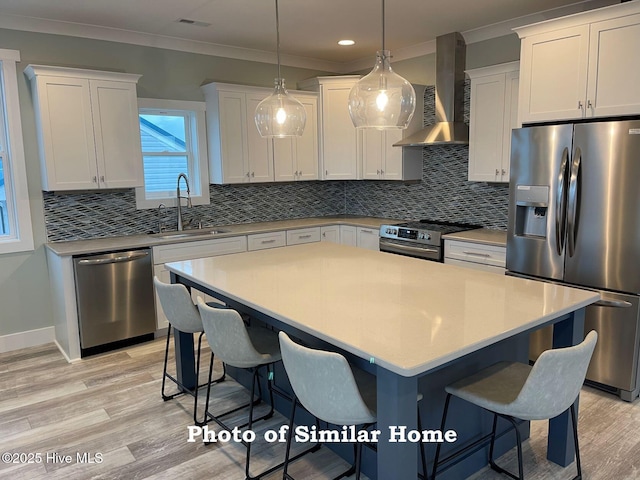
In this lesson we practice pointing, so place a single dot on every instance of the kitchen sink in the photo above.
(205, 232)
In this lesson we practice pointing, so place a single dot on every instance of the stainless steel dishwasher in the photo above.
(115, 298)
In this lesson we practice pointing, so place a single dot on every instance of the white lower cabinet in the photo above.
(186, 251)
(368, 238)
(342, 234)
(303, 235)
(489, 258)
(349, 235)
(261, 241)
(330, 234)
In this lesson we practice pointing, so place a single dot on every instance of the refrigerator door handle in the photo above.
(572, 208)
(605, 302)
(561, 201)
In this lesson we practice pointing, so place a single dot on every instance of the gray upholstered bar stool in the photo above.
(183, 316)
(513, 390)
(326, 386)
(241, 346)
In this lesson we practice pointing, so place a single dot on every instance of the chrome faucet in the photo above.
(178, 197)
(161, 208)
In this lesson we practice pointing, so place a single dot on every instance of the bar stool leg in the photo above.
(164, 369)
(285, 475)
(492, 463)
(574, 422)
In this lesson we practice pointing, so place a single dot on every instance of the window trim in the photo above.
(199, 151)
(22, 238)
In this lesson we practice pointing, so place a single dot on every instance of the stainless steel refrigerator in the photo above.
(574, 218)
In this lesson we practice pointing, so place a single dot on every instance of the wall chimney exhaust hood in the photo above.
(449, 128)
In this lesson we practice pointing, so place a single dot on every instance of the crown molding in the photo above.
(56, 27)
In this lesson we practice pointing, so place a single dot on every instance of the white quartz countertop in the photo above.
(481, 235)
(405, 314)
(97, 245)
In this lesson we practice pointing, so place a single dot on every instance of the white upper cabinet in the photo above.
(493, 114)
(296, 158)
(338, 144)
(613, 87)
(87, 126)
(581, 66)
(382, 161)
(237, 152)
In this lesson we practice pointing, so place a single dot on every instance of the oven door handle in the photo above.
(394, 247)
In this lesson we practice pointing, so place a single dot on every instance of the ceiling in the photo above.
(309, 29)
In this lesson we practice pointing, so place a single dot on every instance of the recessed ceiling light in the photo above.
(346, 42)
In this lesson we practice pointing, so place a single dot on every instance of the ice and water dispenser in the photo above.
(532, 205)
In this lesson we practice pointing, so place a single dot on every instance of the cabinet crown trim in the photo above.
(34, 70)
(315, 82)
(493, 69)
(236, 87)
(583, 18)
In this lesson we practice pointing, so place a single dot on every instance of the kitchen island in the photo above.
(411, 322)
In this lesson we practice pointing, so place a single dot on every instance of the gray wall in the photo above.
(24, 289)
(25, 302)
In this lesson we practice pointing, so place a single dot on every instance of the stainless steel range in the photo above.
(422, 239)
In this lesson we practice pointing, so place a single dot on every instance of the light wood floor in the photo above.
(110, 404)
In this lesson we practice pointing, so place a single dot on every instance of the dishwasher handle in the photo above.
(122, 258)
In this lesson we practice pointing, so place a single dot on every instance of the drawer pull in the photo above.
(485, 255)
(268, 241)
(304, 236)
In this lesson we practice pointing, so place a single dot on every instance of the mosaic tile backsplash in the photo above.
(443, 194)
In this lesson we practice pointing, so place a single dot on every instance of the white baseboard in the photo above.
(30, 338)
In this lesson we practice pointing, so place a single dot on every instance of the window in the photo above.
(16, 234)
(172, 134)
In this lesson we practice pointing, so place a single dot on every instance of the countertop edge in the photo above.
(485, 236)
(100, 245)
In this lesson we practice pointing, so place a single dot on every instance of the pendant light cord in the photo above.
(278, 39)
(382, 25)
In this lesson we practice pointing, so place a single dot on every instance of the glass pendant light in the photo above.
(280, 114)
(382, 99)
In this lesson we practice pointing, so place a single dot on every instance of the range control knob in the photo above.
(424, 236)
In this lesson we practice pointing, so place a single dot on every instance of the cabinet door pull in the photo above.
(102, 178)
(497, 172)
(579, 104)
(95, 179)
(589, 104)
(485, 255)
